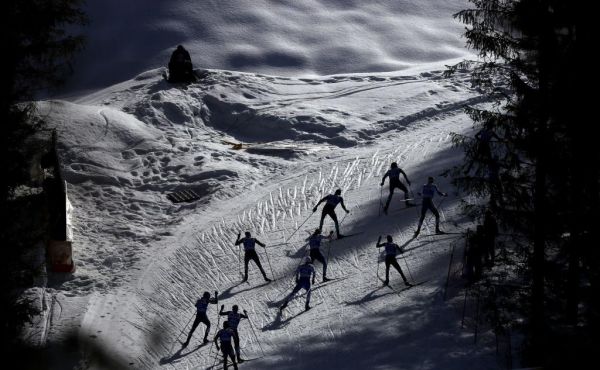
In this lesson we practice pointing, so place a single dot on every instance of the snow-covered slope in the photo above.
(284, 37)
(321, 94)
(143, 261)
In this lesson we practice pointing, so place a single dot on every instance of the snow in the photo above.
(308, 126)
(286, 37)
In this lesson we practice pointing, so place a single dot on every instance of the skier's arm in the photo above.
(321, 201)
(214, 300)
(379, 244)
(405, 177)
(221, 312)
(343, 205)
(441, 193)
(244, 315)
(384, 176)
(238, 241)
(259, 243)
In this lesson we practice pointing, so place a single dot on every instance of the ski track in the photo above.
(356, 171)
(203, 256)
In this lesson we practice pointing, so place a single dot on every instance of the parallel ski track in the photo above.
(208, 260)
(212, 250)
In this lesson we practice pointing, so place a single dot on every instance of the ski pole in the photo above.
(298, 228)
(213, 342)
(377, 260)
(269, 261)
(380, 199)
(343, 218)
(377, 273)
(182, 330)
(256, 337)
(408, 268)
(437, 207)
(329, 247)
(239, 260)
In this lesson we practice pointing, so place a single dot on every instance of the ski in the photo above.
(398, 291)
(439, 234)
(283, 315)
(220, 362)
(349, 235)
(332, 280)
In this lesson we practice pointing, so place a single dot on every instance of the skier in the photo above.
(314, 242)
(303, 279)
(201, 317)
(234, 318)
(394, 174)
(250, 254)
(331, 201)
(225, 335)
(490, 231)
(391, 249)
(428, 193)
(180, 66)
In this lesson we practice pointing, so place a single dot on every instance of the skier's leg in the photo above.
(405, 190)
(236, 341)
(247, 258)
(235, 367)
(206, 322)
(335, 221)
(308, 292)
(316, 254)
(323, 213)
(254, 258)
(194, 326)
(397, 267)
(389, 198)
(226, 354)
(437, 217)
(423, 212)
(387, 270)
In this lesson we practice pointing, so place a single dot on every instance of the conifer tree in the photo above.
(36, 53)
(521, 162)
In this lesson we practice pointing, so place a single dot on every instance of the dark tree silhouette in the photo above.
(533, 163)
(36, 53)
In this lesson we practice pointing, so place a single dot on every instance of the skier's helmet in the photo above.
(206, 295)
(338, 192)
(234, 308)
(389, 238)
(430, 180)
(317, 231)
(306, 260)
(394, 165)
(225, 324)
(247, 234)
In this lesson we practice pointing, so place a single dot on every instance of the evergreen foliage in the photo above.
(533, 163)
(37, 49)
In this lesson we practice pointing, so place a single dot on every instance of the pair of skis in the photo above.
(398, 291)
